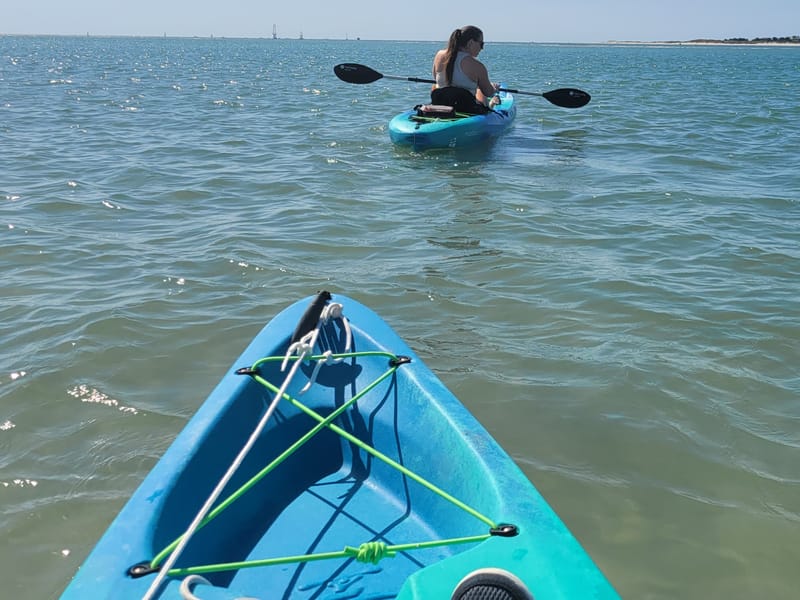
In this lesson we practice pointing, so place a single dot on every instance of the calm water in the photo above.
(612, 291)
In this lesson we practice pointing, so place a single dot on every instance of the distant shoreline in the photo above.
(709, 43)
(793, 41)
(774, 41)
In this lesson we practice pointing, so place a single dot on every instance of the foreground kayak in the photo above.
(359, 476)
(422, 133)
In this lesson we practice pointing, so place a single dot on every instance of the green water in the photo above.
(612, 290)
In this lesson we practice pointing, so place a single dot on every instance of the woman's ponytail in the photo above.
(460, 37)
(453, 44)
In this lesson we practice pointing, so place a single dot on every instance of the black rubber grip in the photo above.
(310, 318)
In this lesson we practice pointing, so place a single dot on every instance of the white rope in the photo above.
(331, 311)
(336, 311)
(303, 348)
(309, 341)
(188, 585)
(170, 562)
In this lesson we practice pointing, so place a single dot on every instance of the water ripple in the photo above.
(610, 290)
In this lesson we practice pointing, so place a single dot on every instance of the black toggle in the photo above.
(246, 371)
(505, 530)
(141, 569)
(399, 360)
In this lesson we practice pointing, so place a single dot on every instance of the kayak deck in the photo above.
(375, 482)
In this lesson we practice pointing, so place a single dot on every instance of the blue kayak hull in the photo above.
(406, 130)
(333, 492)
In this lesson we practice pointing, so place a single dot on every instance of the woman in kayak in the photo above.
(457, 66)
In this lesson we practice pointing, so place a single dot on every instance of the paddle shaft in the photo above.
(564, 97)
(420, 80)
(414, 79)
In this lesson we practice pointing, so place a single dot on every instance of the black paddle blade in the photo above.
(567, 97)
(353, 73)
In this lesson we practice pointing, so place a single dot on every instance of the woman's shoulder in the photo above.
(472, 61)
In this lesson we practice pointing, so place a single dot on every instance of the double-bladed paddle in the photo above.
(564, 97)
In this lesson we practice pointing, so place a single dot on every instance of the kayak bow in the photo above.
(366, 478)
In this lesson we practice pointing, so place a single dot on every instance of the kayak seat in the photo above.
(460, 99)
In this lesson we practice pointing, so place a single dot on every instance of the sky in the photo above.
(579, 21)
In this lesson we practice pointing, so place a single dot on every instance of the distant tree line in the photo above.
(794, 39)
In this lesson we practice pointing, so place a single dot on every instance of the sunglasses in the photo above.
(481, 43)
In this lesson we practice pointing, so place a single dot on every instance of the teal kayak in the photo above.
(422, 133)
(330, 463)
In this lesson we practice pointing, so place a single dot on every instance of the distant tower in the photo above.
(274, 32)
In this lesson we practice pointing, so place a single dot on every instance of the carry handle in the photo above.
(311, 317)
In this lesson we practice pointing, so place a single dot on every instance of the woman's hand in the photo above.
(495, 99)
